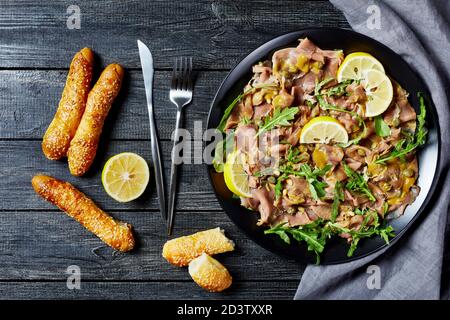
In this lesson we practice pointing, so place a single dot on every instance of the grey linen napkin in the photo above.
(412, 268)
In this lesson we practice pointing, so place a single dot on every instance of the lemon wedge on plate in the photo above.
(379, 92)
(125, 176)
(323, 129)
(236, 178)
(356, 64)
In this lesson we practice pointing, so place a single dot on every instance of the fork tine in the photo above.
(189, 76)
(184, 74)
(180, 74)
(173, 86)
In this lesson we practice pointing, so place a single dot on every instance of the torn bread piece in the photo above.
(181, 251)
(210, 274)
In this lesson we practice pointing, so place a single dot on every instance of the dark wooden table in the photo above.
(37, 242)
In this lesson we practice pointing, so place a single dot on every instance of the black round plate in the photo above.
(398, 69)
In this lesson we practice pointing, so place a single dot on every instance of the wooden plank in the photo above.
(216, 33)
(29, 100)
(20, 160)
(146, 290)
(41, 245)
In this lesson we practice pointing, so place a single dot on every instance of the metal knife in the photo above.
(148, 71)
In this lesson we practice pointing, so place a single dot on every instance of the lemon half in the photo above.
(236, 178)
(323, 129)
(125, 176)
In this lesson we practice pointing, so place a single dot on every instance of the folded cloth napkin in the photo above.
(412, 268)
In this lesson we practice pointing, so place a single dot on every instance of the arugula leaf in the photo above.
(279, 185)
(280, 231)
(357, 183)
(280, 118)
(340, 89)
(316, 233)
(264, 172)
(292, 155)
(321, 84)
(403, 147)
(229, 109)
(313, 234)
(381, 127)
(364, 231)
(338, 197)
(316, 187)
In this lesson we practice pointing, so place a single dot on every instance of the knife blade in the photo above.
(147, 72)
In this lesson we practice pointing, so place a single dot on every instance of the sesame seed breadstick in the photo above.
(114, 233)
(83, 146)
(71, 106)
(181, 251)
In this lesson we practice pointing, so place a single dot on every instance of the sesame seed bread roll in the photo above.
(114, 233)
(62, 129)
(210, 274)
(83, 146)
(181, 251)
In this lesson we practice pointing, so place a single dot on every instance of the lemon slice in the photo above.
(235, 176)
(323, 129)
(379, 92)
(355, 64)
(125, 176)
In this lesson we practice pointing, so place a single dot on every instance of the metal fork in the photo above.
(180, 95)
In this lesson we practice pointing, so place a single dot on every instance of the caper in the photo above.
(303, 157)
(361, 152)
(317, 64)
(301, 60)
(292, 68)
(385, 186)
(291, 210)
(257, 98)
(396, 122)
(408, 173)
(279, 101)
(272, 179)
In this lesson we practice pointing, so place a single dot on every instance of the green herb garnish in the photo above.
(357, 183)
(229, 109)
(280, 118)
(279, 185)
(316, 187)
(292, 155)
(312, 233)
(338, 197)
(381, 127)
(317, 233)
(405, 146)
